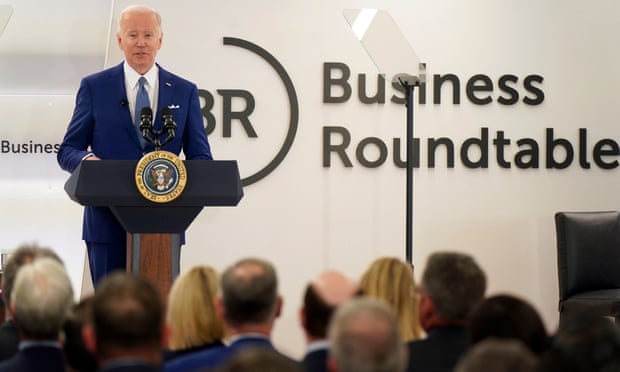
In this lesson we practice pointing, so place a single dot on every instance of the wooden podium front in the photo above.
(155, 230)
(156, 257)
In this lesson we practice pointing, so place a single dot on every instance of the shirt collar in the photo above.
(38, 343)
(131, 76)
(244, 336)
(318, 345)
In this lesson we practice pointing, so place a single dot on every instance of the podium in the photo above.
(154, 230)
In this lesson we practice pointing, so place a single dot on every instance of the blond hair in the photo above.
(191, 309)
(391, 280)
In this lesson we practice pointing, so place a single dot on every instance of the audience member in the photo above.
(40, 299)
(259, 359)
(128, 330)
(9, 337)
(192, 318)
(586, 342)
(321, 298)
(507, 316)
(79, 358)
(498, 355)
(249, 306)
(452, 284)
(391, 280)
(365, 337)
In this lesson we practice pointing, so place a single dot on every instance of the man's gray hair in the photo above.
(137, 8)
(364, 337)
(455, 283)
(42, 296)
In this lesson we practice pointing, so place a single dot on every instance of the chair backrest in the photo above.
(588, 248)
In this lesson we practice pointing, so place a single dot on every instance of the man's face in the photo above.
(140, 39)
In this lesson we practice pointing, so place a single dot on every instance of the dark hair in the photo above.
(318, 313)
(77, 355)
(127, 313)
(509, 317)
(24, 254)
(586, 342)
(249, 291)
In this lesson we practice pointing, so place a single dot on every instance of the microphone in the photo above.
(169, 125)
(123, 102)
(146, 120)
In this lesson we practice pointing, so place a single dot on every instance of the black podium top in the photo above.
(111, 183)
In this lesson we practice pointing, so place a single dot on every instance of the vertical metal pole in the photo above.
(409, 184)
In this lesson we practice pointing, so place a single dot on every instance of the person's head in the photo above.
(364, 337)
(498, 355)
(78, 357)
(41, 298)
(191, 311)
(250, 294)
(391, 280)
(252, 359)
(128, 320)
(139, 36)
(321, 298)
(508, 317)
(586, 342)
(24, 254)
(452, 284)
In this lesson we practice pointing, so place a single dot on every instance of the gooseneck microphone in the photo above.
(169, 125)
(146, 121)
(152, 135)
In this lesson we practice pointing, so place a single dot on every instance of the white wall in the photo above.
(306, 217)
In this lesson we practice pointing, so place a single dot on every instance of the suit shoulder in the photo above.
(108, 73)
(196, 360)
(166, 76)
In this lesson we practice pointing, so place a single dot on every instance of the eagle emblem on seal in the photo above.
(161, 177)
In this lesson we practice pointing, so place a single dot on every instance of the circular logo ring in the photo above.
(160, 176)
(294, 105)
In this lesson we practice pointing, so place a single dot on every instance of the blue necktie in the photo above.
(142, 101)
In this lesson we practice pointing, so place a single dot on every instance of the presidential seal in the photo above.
(160, 176)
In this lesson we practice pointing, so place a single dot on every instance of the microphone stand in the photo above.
(409, 88)
(148, 129)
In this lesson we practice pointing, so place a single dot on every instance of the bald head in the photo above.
(323, 295)
(334, 288)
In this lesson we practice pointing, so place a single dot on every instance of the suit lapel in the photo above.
(166, 90)
(117, 81)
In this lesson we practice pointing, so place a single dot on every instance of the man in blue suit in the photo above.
(128, 329)
(249, 306)
(104, 124)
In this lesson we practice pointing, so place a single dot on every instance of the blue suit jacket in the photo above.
(35, 359)
(316, 361)
(102, 122)
(212, 358)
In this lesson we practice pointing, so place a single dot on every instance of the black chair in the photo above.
(588, 245)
